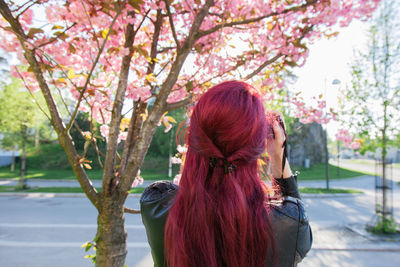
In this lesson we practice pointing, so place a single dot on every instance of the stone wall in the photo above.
(306, 141)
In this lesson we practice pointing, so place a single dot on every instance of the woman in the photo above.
(221, 215)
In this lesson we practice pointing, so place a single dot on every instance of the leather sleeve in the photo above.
(155, 203)
(290, 224)
(287, 186)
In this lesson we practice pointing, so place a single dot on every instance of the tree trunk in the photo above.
(384, 183)
(111, 234)
(12, 167)
(21, 182)
(384, 152)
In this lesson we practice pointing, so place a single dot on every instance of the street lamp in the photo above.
(334, 82)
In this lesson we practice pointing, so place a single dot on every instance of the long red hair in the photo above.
(220, 218)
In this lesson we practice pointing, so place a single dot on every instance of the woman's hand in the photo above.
(276, 138)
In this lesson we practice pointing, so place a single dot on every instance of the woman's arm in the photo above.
(291, 227)
(275, 146)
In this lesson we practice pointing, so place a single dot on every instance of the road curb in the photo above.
(50, 195)
(307, 195)
(377, 248)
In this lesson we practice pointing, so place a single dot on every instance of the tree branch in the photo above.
(112, 144)
(64, 139)
(179, 104)
(136, 122)
(154, 44)
(171, 22)
(262, 66)
(55, 39)
(131, 211)
(26, 8)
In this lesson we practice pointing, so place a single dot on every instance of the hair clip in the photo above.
(228, 166)
(213, 162)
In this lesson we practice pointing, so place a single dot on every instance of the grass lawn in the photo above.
(57, 190)
(310, 190)
(5, 173)
(317, 172)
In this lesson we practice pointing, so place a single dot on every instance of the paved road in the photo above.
(41, 232)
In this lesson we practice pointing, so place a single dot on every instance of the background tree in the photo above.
(373, 99)
(110, 53)
(20, 121)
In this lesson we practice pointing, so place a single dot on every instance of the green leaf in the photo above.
(61, 35)
(85, 244)
(71, 48)
(135, 3)
(57, 27)
(88, 247)
(33, 31)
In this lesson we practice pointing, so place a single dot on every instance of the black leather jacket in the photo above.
(289, 221)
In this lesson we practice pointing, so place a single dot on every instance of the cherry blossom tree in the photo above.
(154, 56)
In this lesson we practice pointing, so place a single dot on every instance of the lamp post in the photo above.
(334, 82)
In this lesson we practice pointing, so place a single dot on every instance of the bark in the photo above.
(112, 144)
(111, 234)
(21, 182)
(135, 125)
(12, 167)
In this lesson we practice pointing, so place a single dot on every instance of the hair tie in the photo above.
(228, 166)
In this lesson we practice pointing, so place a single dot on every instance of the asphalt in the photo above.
(338, 222)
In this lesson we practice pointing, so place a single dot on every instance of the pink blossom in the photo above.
(182, 149)
(168, 128)
(355, 145)
(122, 136)
(124, 51)
(105, 130)
(177, 179)
(175, 160)
(27, 17)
